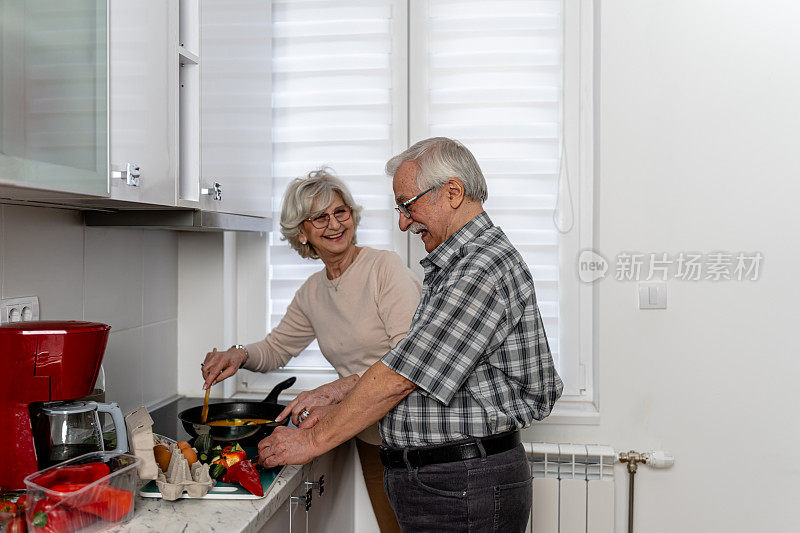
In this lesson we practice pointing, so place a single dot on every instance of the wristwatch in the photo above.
(241, 347)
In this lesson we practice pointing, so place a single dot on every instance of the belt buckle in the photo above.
(386, 456)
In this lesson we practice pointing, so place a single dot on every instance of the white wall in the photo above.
(206, 318)
(200, 312)
(698, 136)
(125, 278)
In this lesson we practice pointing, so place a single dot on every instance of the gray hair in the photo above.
(440, 159)
(307, 197)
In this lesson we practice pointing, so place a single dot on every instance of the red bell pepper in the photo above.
(244, 473)
(86, 473)
(105, 501)
(233, 454)
(51, 517)
(8, 507)
(115, 505)
(17, 525)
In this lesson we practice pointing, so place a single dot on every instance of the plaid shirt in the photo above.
(476, 350)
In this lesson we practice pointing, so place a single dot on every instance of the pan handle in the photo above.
(272, 397)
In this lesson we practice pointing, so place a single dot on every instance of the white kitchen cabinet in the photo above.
(333, 510)
(111, 106)
(191, 103)
(235, 94)
(143, 100)
(330, 511)
(53, 105)
(290, 517)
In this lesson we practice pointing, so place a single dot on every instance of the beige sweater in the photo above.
(356, 318)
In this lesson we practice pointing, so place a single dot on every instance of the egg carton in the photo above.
(180, 477)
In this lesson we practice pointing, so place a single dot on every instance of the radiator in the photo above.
(573, 488)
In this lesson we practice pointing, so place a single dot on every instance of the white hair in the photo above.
(440, 159)
(307, 197)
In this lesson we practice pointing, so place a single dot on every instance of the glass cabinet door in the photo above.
(53, 95)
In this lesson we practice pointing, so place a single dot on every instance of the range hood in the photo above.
(177, 219)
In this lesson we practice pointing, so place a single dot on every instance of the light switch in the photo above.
(653, 295)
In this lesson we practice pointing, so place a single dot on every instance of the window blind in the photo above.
(489, 75)
(334, 102)
(350, 93)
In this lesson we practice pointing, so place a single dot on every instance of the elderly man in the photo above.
(474, 368)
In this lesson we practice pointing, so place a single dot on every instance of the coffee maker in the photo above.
(41, 361)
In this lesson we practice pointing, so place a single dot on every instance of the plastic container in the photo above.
(8, 519)
(96, 506)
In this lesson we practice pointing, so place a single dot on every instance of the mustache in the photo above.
(417, 227)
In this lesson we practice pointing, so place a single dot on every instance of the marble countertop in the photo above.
(205, 515)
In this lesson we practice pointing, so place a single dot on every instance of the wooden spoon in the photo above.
(204, 412)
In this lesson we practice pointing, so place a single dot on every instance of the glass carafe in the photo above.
(69, 429)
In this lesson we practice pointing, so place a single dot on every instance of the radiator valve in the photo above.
(653, 459)
(659, 459)
(633, 459)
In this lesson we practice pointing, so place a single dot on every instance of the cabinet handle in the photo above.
(319, 485)
(215, 192)
(307, 498)
(130, 174)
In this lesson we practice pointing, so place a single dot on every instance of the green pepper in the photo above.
(203, 443)
(216, 471)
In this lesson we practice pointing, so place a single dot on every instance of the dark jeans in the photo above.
(493, 493)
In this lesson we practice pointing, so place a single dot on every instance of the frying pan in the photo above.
(246, 435)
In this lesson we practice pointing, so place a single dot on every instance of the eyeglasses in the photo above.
(342, 214)
(403, 208)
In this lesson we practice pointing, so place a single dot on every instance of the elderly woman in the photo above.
(358, 307)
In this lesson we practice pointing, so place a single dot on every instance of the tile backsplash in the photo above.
(123, 277)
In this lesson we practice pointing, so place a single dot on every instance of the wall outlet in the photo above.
(19, 309)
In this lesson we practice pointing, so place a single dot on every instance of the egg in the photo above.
(163, 456)
(182, 445)
(190, 454)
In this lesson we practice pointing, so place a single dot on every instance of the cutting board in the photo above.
(223, 491)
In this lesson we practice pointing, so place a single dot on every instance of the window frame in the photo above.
(577, 300)
(310, 378)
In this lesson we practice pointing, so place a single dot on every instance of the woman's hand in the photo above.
(328, 394)
(219, 366)
(315, 414)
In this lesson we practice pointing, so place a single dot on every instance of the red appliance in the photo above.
(41, 362)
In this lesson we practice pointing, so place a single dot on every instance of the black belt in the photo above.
(447, 453)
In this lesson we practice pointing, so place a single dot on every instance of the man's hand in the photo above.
(328, 394)
(287, 446)
(377, 392)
